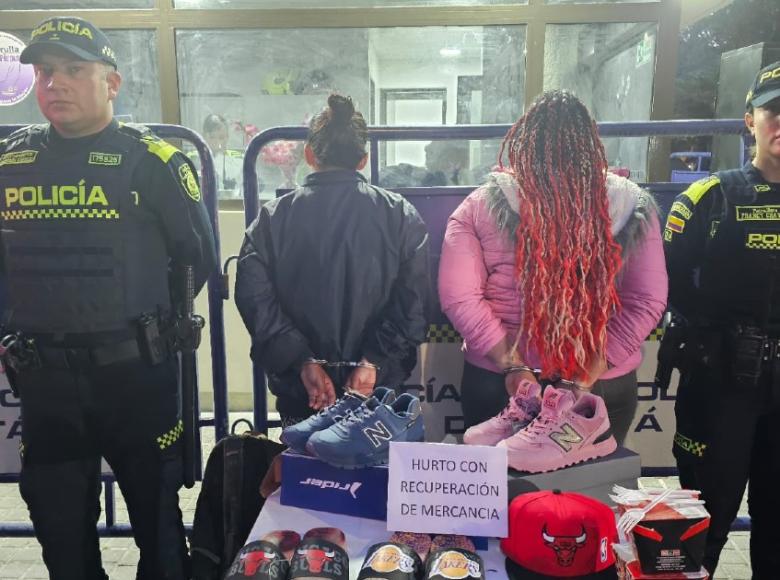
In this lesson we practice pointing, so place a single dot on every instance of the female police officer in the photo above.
(94, 216)
(722, 240)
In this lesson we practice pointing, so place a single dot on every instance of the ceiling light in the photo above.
(449, 52)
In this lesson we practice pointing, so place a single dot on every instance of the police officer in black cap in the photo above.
(95, 218)
(722, 241)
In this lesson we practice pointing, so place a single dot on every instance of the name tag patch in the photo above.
(758, 213)
(111, 159)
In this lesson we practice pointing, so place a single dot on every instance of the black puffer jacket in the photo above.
(336, 270)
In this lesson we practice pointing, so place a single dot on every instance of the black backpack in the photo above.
(229, 501)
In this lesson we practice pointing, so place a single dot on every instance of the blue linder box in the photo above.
(309, 483)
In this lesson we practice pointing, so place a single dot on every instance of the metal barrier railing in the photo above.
(459, 132)
(470, 132)
(216, 330)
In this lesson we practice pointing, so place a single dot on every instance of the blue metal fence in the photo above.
(377, 135)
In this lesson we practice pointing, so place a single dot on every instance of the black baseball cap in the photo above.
(766, 87)
(80, 38)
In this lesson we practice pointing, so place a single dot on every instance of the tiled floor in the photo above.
(20, 558)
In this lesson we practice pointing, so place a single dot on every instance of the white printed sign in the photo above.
(439, 488)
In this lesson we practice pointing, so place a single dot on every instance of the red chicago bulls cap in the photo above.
(554, 534)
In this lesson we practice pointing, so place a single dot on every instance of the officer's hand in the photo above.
(318, 386)
(513, 380)
(362, 380)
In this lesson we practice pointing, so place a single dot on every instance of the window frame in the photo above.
(164, 19)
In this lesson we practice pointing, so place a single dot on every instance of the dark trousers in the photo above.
(128, 414)
(727, 437)
(483, 395)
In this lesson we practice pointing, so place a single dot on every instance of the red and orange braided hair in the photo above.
(566, 258)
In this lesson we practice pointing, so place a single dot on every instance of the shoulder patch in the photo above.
(160, 148)
(188, 181)
(18, 157)
(679, 207)
(698, 189)
(28, 137)
(135, 130)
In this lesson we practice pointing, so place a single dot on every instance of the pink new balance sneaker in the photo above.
(567, 431)
(518, 413)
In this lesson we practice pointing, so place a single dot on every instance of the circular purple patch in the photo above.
(16, 79)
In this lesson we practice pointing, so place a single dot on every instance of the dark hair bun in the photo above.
(338, 134)
(341, 109)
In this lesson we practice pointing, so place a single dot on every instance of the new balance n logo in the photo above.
(378, 434)
(567, 437)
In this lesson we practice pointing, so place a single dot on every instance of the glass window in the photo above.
(237, 4)
(595, 1)
(234, 83)
(610, 67)
(73, 4)
(139, 95)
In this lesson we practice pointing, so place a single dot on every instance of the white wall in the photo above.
(405, 75)
(400, 75)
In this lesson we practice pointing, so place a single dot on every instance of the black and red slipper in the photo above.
(260, 560)
(321, 554)
(391, 561)
(454, 563)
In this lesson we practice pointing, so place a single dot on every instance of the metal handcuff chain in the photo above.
(344, 363)
(7, 342)
(567, 384)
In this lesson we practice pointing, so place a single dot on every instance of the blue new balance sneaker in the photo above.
(363, 437)
(296, 436)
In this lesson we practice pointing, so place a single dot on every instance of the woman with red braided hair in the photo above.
(554, 266)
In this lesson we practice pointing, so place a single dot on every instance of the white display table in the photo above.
(360, 533)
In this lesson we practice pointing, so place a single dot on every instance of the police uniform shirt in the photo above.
(722, 242)
(163, 201)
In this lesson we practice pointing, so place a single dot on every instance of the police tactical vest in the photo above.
(740, 273)
(81, 253)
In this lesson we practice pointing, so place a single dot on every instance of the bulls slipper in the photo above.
(265, 559)
(391, 561)
(286, 540)
(454, 564)
(321, 554)
(420, 543)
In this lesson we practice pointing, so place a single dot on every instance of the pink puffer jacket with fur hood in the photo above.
(479, 294)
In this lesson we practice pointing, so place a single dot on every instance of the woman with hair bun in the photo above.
(554, 264)
(334, 272)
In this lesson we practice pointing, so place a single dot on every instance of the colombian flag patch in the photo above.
(675, 224)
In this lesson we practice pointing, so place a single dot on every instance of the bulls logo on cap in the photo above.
(565, 547)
